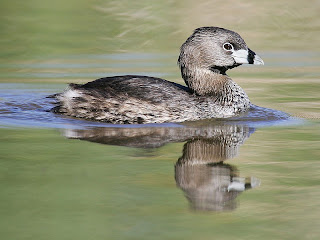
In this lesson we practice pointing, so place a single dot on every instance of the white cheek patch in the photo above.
(240, 56)
(236, 186)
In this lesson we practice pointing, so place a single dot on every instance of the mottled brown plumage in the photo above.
(204, 59)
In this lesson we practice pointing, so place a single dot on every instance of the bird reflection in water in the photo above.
(208, 183)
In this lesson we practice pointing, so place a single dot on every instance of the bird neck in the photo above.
(210, 82)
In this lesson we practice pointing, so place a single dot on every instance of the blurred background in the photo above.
(58, 188)
(78, 40)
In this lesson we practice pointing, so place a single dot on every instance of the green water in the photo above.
(56, 186)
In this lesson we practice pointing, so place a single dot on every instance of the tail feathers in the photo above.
(74, 86)
(57, 109)
(71, 86)
(54, 95)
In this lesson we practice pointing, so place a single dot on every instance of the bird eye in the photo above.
(228, 46)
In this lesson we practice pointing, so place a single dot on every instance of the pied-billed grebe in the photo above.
(210, 93)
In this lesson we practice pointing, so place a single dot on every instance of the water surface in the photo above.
(247, 178)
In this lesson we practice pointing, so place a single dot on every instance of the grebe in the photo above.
(210, 93)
